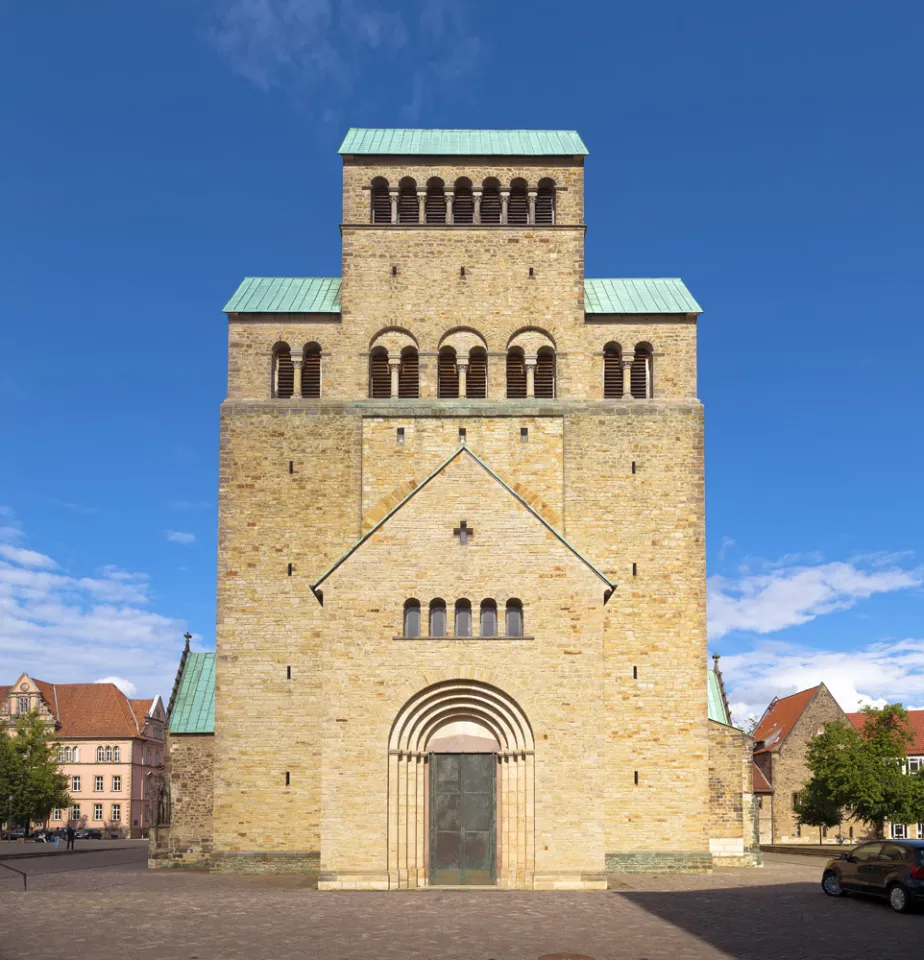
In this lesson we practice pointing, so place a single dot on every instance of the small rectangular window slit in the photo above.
(394, 271)
(531, 271)
(461, 434)
(635, 673)
(636, 777)
(634, 569)
(287, 778)
(462, 271)
(288, 673)
(524, 434)
(633, 466)
(291, 466)
(290, 569)
(400, 434)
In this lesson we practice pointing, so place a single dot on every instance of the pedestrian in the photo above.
(70, 838)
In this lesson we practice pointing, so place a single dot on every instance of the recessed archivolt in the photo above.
(531, 339)
(394, 340)
(462, 340)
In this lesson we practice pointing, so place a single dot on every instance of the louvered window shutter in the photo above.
(518, 207)
(381, 204)
(463, 206)
(491, 206)
(379, 376)
(409, 376)
(612, 374)
(641, 375)
(545, 206)
(285, 375)
(448, 376)
(408, 207)
(476, 383)
(516, 375)
(545, 375)
(435, 205)
(311, 373)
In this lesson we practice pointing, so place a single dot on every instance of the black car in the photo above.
(886, 868)
(89, 835)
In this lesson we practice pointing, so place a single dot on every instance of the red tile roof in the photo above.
(760, 782)
(4, 692)
(781, 716)
(140, 709)
(90, 709)
(915, 725)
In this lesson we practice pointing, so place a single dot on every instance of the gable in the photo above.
(417, 539)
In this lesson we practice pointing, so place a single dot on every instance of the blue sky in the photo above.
(768, 154)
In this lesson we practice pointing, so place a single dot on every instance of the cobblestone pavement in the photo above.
(87, 908)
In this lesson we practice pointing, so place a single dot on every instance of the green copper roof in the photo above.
(715, 704)
(194, 706)
(464, 143)
(655, 295)
(286, 295)
(322, 295)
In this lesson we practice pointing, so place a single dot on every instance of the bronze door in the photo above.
(463, 801)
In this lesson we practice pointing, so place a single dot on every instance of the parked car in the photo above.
(17, 833)
(89, 835)
(893, 869)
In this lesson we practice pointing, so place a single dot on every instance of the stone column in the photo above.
(393, 196)
(421, 206)
(450, 196)
(532, 205)
(476, 196)
(462, 366)
(627, 360)
(394, 367)
(530, 359)
(505, 196)
(297, 382)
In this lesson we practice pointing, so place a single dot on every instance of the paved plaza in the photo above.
(105, 904)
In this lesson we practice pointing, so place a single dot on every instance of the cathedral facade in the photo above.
(461, 633)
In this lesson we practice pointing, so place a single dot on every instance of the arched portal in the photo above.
(443, 731)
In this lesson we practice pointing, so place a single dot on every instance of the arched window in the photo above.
(283, 372)
(311, 371)
(381, 201)
(544, 386)
(516, 374)
(99, 754)
(60, 754)
(488, 618)
(408, 208)
(476, 383)
(379, 374)
(447, 386)
(463, 206)
(491, 201)
(76, 754)
(545, 202)
(463, 618)
(514, 618)
(109, 754)
(67, 754)
(612, 371)
(435, 204)
(642, 381)
(116, 754)
(517, 203)
(409, 374)
(412, 618)
(437, 618)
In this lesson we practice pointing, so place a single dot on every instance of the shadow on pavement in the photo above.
(786, 922)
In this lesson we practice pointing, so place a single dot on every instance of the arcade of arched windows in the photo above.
(628, 375)
(296, 376)
(518, 203)
(460, 621)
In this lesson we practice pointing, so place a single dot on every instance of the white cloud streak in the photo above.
(178, 536)
(126, 686)
(27, 558)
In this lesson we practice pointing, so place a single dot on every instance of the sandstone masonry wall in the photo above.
(733, 808)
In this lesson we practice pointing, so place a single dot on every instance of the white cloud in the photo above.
(27, 558)
(178, 536)
(126, 686)
(789, 595)
(879, 673)
(189, 505)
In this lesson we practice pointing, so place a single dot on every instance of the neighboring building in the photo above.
(781, 740)
(461, 547)
(733, 808)
(914, 764)
(110, 748)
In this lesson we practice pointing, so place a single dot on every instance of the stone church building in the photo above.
(461, 633)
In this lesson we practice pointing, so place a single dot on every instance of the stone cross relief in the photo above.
(463, 532)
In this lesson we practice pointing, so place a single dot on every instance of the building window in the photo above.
(476, 384)
(379, 374)
(100, 755)
(898, 831)
(283, 372)
(67, 754)
(641, 374)
(447, 375)
(116, 754)
(108, 754)
(116, 784)
(381, 201)
(23, 705)
(412, 618)
(75, 812)
(545, 374)
(545, 202)
(915, 764)
(463, 206)
(516, 374)
(463, 618)
(435, 204)
(116, 812)
(56, 813)
(514, 618)
(517, 203)
(921, 831)
(437, 618)
(491, 201)
(97, 811)
(409, 374)
(76, 754)
(612, 371)
(98, 784)
(311, 371)
(488, 618)
(408, 207)
(75, 784)
(60, 754)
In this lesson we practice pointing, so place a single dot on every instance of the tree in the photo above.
(863, 773)
(815, 807)
(32, 771)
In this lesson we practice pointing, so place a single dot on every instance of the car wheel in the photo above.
(899, 900)
(831, 884)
